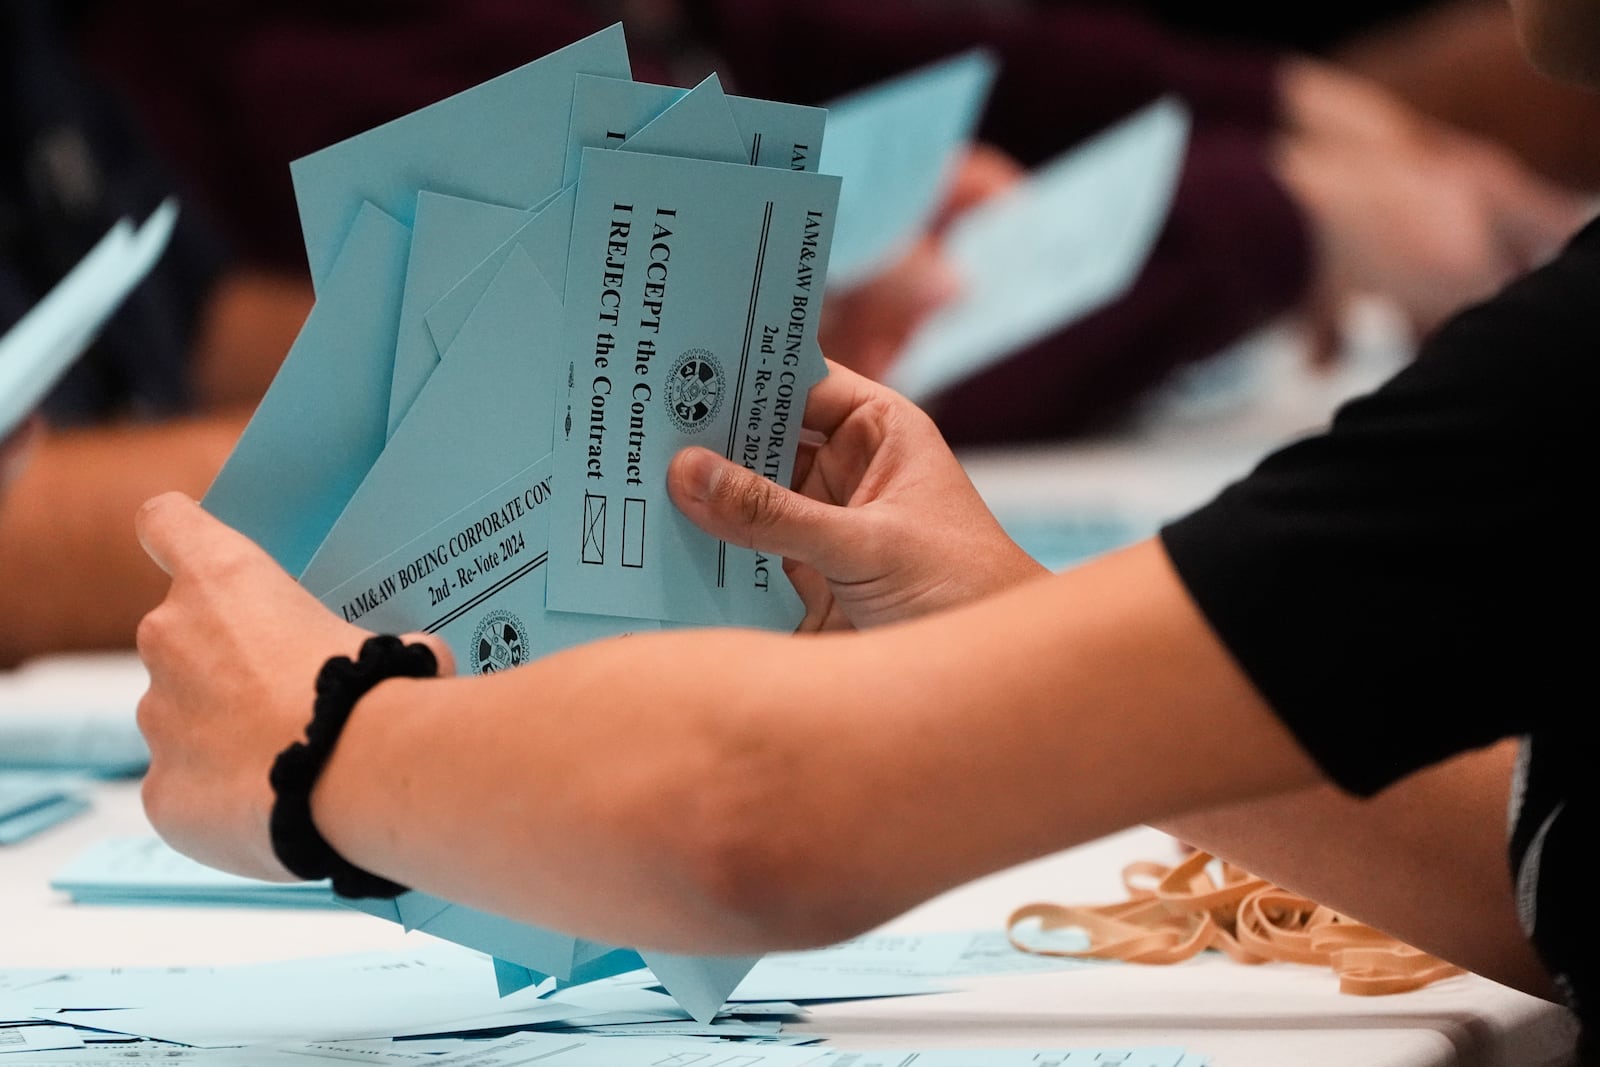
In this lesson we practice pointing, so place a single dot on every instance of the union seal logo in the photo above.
(499, 644)
(694, 390)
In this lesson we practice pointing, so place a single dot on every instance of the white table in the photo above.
(1268, 1016)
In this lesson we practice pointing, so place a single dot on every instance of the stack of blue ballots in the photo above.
(30, 803)
(530, 296)
(145, 870)
(55, 739)
(37, 351)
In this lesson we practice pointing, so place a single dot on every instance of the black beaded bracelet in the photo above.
(342, 682)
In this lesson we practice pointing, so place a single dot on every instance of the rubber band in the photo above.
(1174, 913)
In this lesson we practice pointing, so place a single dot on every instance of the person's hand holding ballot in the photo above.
(625, 756)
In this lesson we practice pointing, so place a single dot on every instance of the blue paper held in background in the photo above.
(897, 144)
(1069, 239)
(39, 348)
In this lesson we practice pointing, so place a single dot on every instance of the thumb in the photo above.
(741, 507)
(179, 535)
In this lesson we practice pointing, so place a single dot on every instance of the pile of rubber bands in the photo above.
(1173, 913)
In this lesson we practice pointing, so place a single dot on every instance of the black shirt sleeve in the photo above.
(1415, 582)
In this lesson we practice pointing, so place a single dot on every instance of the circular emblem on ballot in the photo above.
(499, 643)
(694, 390)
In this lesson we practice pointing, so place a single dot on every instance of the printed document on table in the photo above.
(693, 291)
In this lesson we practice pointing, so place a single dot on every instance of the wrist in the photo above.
(342, 684)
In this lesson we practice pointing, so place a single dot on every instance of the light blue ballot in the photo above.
(477, 580)
(895, 144)
(493, 142)
(693, 292)
(450, 237)
(608, 111)
(146, 870)
(698, 126)
(781, 135)
(484, 415)
(543, 238)
(30, 803)
(696, 123)
(1068, 240)
(37, 351)
(323, 421)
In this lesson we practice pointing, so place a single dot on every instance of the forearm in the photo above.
(730, 791)
(1424, 860)
(75, 577)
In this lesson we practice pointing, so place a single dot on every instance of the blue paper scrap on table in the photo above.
(56, 739)
(435, 1004)
(33, 802)
(146, 870)
(38, 349)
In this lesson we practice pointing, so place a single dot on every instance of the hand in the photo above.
(1432, 217)
(233, 653)
(867, 326)
(883, 523)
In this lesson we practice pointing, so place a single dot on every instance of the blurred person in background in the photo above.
(1458, 61)
(159, 398)
(1303, 185)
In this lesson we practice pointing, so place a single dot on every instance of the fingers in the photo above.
(986, 172)
(867, 327)
(838, 396)
(177, 534)
(743, 508)
(1535, 218)
(14, 449)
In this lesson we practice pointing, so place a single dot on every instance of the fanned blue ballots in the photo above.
(400, 463)
(527, 955)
